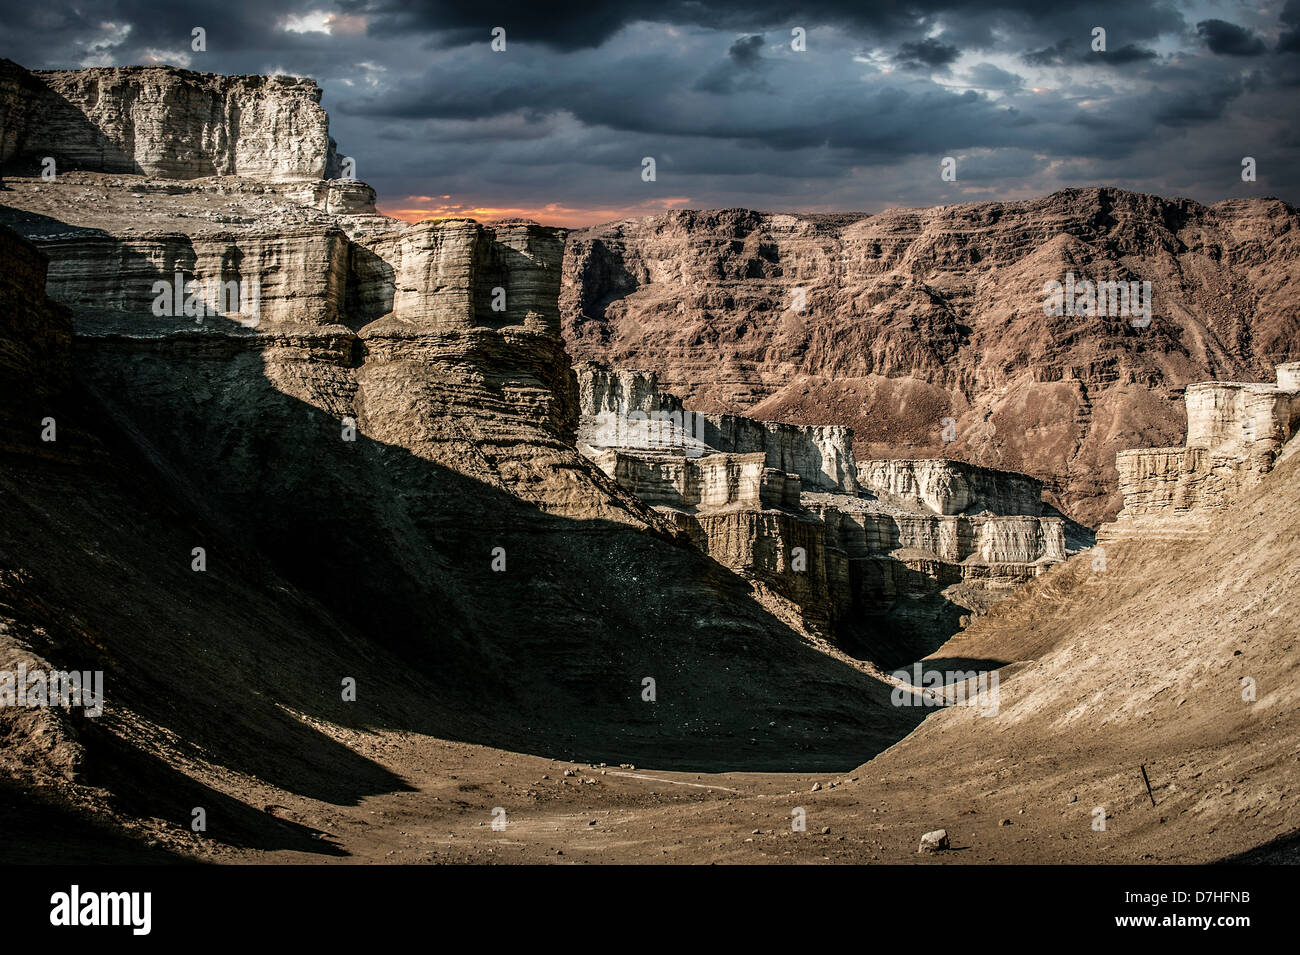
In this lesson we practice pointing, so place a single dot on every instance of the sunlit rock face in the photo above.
(167, 122)
(624, 408)
(1235, 433)
(952, 487)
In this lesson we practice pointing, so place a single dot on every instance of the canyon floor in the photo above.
(647, 816)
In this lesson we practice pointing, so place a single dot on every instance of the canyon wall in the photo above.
(715, 481)
(167, 122)
(623, 408)
(924, 330)
(822, 455)
(35, 333)
(360, 329)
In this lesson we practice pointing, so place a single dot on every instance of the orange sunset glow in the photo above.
(418, 208)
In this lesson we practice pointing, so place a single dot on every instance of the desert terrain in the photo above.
(368, 583)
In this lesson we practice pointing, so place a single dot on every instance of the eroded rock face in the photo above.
(364, 330)
(1235, 433)
(627, 409)
(914, 316)
(911, 546)
(35, 334)
(822, 455)
(389, 432)
(781, 549)
(606, 391)
(951, 487)
(861, 530)
(164, 121)
(1256, 419)
(378, 441)
(909, 576)
(713, 481)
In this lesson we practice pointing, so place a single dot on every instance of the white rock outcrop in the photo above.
(951, 487)
(714, 481)
(626, 409)
(863, 529)
(822, 455)
(909, 544)
(1235, 432)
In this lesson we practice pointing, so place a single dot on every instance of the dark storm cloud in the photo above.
(927, 54)
(1080, 51)
(1289, 41)
(734, 115)
(986, 76)
(654, 97)
(1195, 106)
(579, 24)
(1228, 39)
(49, 29)
(745, 52)
(738, 71)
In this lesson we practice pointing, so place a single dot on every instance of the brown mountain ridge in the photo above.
(915, 316)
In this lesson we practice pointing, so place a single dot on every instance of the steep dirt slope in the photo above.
(1103, 673)
(1142, 663)
(913, 316)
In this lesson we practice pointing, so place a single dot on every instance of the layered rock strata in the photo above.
(167, 122)
(1235, 433)
(902, 545)
(713, 481)
(627, 409)
(951, 487)
(927, 331)
(381, 418)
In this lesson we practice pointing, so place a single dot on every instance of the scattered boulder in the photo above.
(935, 841)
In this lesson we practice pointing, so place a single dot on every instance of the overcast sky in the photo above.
(555, 126)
